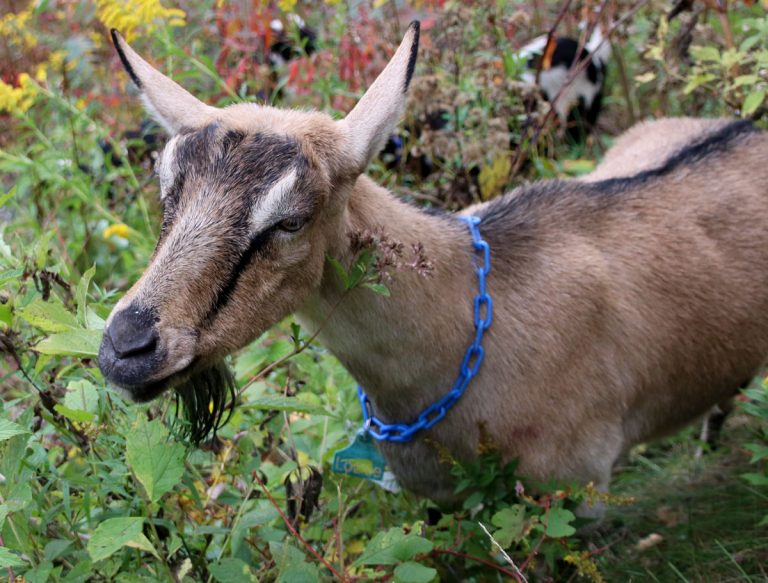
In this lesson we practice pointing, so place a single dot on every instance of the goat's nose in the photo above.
(132, 332)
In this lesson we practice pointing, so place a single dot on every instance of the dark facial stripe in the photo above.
(256, 245)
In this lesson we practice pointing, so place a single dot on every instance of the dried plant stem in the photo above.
(518, 574)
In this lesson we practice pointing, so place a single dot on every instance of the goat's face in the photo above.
(252, 198)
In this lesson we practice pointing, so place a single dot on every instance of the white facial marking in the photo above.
(166, 166)
(268, 206)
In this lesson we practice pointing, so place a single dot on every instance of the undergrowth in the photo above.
(93, 488)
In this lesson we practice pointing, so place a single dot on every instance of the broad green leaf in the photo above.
(511, 523)
(49, 316)
(393, 547)
(8, 429)
(82, 395)
(753, 101)
(74, 343)
(3, 513)
(291, 564)
(81, 295)
(114, 533)
(230, 570)
(745, 80)
(298, 573)
(156, 461)
(41, 573)
(93, 321)
(410, 572)
(10, 274)
(706, 53)
(558, 523)
(280, 403)
(8, 559)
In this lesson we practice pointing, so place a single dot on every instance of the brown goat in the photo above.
(626, 303)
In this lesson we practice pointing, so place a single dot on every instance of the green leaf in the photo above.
(698, 80)
(340, 270)
(74, 414)
(392, 547)
(82, 395)
(7, 196)
(8, 559)
(745, 80)
(291, 564)
(298, 573)
(41, 249)
(280, 403)
(753, 101)
(360, 268)
(6, 314)
(49, 316)
(10, 274)
(9, 429)
(756, 479)
(74, 343)
(558, 523)
(157, 462)
(379, 288)
(81, 296)
(3, 513)
(114, 533)
(228, 570)
(511, 523)
(410, 572)
(706, 53)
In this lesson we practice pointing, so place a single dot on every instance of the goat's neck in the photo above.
(404, 349)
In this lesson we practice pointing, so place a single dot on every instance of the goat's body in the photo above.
(623, 308)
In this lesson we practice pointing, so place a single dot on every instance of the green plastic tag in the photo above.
(361, 458)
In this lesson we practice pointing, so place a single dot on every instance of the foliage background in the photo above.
(94, 488)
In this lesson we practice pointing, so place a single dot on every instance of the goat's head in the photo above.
(251, 198)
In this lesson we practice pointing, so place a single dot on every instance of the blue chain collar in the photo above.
(404, 432)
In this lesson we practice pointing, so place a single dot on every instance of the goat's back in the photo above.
(633, 303)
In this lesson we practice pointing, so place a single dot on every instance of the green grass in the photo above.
(706, 513)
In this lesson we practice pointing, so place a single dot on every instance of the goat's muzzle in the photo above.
(130, 353)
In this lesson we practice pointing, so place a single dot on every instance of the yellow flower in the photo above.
(130, 15)
(18, 99)
(15, 28)
(118, 230)
(286, 5)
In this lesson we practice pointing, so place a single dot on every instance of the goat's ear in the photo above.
(373, 119)
(166, 101)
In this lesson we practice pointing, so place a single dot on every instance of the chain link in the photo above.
(470, 364)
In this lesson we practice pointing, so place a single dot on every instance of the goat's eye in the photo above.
(291, 225)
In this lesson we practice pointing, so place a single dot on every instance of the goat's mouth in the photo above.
(145, 392)
(205, 394)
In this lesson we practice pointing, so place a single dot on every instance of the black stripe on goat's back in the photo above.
(521, 210)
